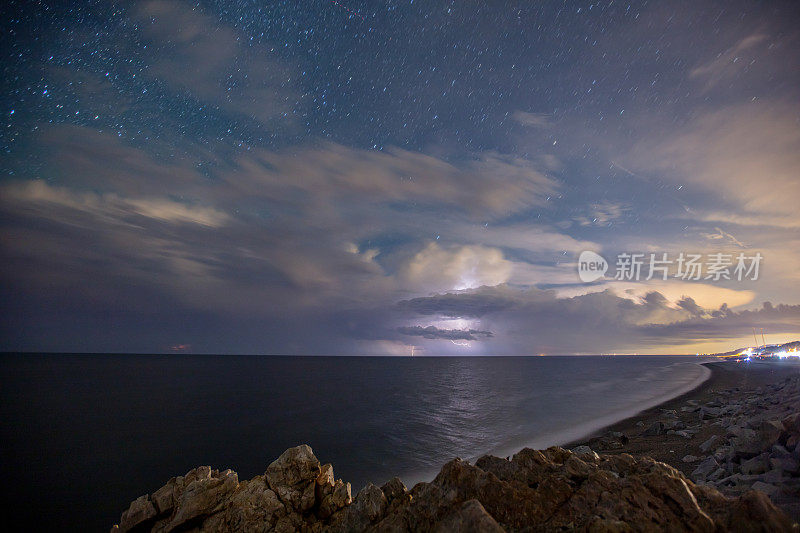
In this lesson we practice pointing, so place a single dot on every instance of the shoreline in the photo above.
(621, 417)
(624, 423)
(568, 438)
(686, 445)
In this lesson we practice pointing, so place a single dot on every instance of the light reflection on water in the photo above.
(74, 422)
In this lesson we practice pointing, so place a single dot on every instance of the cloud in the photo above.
(43, 199)
(474, 303)
(268, 232)
(721, 235)
(705, 294)
(691, 306)
(533, 321)
(193, 53)
(748, 155)
(488, 184)
(432, 332)
(729, 63)
(537, 120)
(725, 323)
(460, 267)
(604, 214)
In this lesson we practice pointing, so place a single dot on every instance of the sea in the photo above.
(81, 436)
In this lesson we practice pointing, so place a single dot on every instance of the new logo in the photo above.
(591, 266)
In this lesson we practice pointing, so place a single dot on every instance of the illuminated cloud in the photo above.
(46, 201)
(462, 267)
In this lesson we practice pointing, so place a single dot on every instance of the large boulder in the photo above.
(293, 476)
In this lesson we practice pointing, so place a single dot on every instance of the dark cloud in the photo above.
(432, 332)
(469, 304)
(533, 321)
(725, 323)
(691, 306)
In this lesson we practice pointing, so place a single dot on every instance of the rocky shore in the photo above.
(739, 448)
(742, 434)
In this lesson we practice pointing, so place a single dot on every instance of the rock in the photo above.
(785, 463)
(370, 503)
(717, 474)
(585, 450)
(742, 432)
(745, 442)
(138, 514)
(394, 489)
(770, 431)
(325, 476)
(791, 423)
(164, 498)
(690, 459)
(766, 488)
(754, 421)
(575, 468)
(254, 505)
(338, 498)
(709, 412)
(708, 444)
(295, 466)
(293, 476)
(774, 476)
(756, 465)
(780, 451)
(674, 424)
(551, 490)
(684, 433)
(203, 497)
(471, 516)
(754, 504)
(705, 468)
(612, 440)
(619, 436)
(656, 428)
(723, 453)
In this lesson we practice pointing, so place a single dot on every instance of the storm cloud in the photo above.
(294, 180)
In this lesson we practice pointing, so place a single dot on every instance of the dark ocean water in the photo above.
(83, 435)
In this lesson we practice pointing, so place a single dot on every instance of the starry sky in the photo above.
(382, 176)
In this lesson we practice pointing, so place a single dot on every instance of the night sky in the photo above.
(364, 177)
